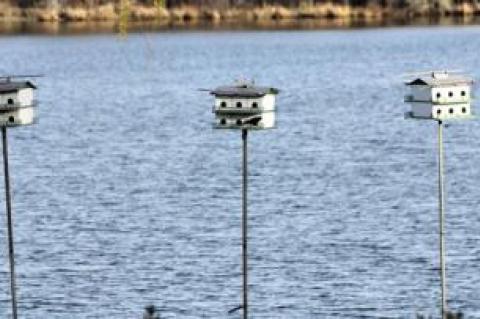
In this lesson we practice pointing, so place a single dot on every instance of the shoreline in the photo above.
(115, 19)
(112, 27)
(124, 12)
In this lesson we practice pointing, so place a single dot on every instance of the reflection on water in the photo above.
(16, 27)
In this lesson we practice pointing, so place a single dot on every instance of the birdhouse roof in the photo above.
(243, 90)
(9, 86)
(436, 79)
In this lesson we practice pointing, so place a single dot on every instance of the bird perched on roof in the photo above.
(150, 313)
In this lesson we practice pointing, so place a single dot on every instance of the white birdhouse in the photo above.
(244, 106)
(440, 96)
(17, 106)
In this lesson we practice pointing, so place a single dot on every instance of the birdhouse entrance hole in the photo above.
(11, 119)
(10, 101)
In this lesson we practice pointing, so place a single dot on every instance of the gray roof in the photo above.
(441, 79)
(243, 90)
(9, 86)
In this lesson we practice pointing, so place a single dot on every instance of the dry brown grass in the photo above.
(141, 13)
(137, 12)
(105, 12)
(7, 11)
(74, 14)
(211, 15)
(42, 14)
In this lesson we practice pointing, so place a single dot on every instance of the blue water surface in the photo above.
(124, 195)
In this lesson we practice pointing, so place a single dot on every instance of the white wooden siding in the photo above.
(4, 98)
(447, 95)
(25, 97)
(22, 116)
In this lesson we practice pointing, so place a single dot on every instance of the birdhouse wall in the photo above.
(229, 121)
(422, 110)
(268, 102)
(8, 98)
(448, 95)
(25, 96)
(265, 103)
(235, 121)
(22, 116)
(268, 120)
(224, 121)
(441, 111)
(451, 111)
(421, 93)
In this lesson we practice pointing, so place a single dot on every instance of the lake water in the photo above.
(124, 195)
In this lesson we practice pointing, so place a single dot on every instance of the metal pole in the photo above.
(244, 226)
(11, 253)
(441, 206)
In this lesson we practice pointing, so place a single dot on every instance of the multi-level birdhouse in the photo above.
(440, 96)
(17, 106)
(244, 106)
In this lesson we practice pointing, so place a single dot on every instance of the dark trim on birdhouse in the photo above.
(17, 106)
(239, 110)
(243, 91)
(417, 82)
(11, 87)
(450, 80)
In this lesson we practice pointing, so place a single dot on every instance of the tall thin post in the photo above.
(244, 225)
(441, 210)
(11, 253)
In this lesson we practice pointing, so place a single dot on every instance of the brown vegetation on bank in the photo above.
(158, 10)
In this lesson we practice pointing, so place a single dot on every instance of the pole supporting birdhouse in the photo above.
(440, 96)
(245, 222)
(17, 108)
(244, 107)
(441, 218)
(8, 203)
